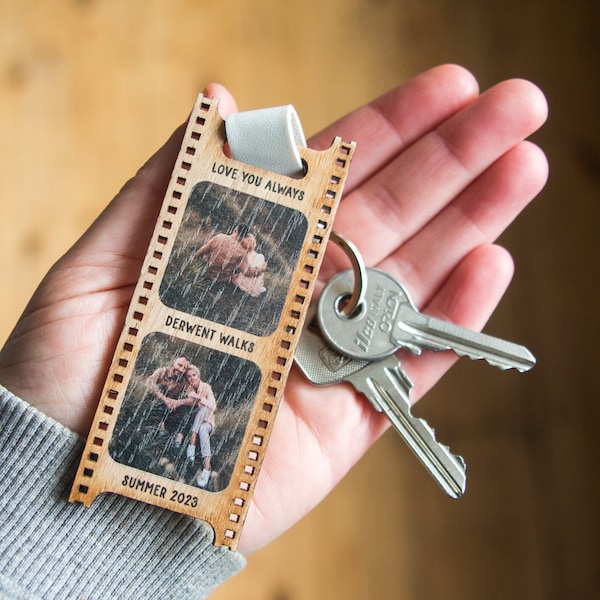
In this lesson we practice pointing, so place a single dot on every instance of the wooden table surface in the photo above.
(89, 89)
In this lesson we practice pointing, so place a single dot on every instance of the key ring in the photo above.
(359, 270)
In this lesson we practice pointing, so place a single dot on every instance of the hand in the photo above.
(172, 404)
(439, 172)
(193, 399)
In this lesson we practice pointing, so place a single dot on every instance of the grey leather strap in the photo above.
(267, 138)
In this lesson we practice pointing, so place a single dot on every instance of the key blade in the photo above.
(388, 388)
(417, 331)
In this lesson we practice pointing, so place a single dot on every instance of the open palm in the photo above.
(438, 174)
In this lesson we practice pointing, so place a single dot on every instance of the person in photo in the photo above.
(204, 422)
(251, 276)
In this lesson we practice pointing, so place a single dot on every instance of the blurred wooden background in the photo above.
(88, 89)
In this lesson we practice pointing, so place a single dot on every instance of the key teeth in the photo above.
(502, 366)
(414, 348)
(461, 488)
(460, 459)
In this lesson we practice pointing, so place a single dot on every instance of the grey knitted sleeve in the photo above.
(117, 548)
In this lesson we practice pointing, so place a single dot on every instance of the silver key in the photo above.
(387, 388)
(389, 320)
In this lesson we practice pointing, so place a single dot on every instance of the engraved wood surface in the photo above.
(260, 342)
(88, 90)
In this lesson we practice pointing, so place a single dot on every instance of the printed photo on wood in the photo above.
(233, 258)
(185, 412)
(198, 373)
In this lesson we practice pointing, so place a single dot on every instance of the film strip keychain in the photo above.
(189, 402)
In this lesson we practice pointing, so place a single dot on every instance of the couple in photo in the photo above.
(233, 258)
(186, 398)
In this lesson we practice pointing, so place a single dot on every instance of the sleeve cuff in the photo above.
(118, 547)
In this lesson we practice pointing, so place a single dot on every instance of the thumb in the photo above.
(125, 226)
(227, 104)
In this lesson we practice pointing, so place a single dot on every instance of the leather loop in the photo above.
(267, 138)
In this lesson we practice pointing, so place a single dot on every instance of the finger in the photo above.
(399, 200)
(392, 122)
(477, 216)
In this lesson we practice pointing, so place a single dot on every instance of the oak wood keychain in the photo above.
(189, 402)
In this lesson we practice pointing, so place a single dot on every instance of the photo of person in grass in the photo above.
(233, 258)
(185, 412)
(250, 277)
(203, 425)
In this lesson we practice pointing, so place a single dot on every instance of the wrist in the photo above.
(80, 552)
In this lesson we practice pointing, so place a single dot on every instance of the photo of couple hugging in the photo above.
(186, 399)
(233, 258)
(185, 412)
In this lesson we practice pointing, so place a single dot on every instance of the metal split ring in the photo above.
(360, 274)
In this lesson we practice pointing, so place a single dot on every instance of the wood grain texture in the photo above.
(251, 343)
(89, 89)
